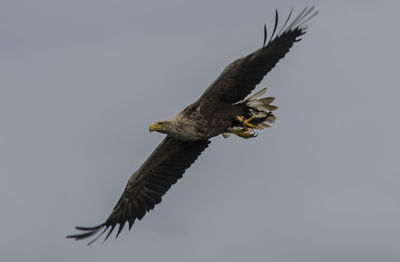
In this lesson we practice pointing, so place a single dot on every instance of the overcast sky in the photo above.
(80, 81)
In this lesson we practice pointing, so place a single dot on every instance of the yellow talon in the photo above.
(245, 122)
(243, 133)
(240, 118)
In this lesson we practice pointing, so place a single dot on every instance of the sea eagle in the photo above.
(222, 109)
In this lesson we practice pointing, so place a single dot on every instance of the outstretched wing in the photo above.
(148, 184)
(240, 77)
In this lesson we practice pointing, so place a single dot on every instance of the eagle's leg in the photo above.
(246, 122)
(243, 133)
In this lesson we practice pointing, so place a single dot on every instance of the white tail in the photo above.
(260, 111)
(261, 108)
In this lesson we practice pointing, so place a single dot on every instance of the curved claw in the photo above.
(253, 134)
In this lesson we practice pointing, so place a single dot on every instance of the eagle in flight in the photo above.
(222, 109)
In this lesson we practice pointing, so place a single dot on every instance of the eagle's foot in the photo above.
(246, 122)
(243, 133)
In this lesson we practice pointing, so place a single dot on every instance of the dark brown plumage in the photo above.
(220, 109)
(149, 183)
(241, 77)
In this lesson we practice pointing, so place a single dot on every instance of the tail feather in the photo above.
(267, 100)
(257, 95)
(261, 109)
(262, 125)
(256, 108)
(271, 107)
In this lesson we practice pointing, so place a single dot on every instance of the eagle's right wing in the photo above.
(240, 77)
(148, 184)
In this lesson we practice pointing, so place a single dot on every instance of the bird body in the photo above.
(194, 124)
(221, 109)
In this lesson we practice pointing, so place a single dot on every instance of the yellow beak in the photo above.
(155, 127)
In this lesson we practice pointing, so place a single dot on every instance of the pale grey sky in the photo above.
(80, 81)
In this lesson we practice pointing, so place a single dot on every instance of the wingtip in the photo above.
(89, 228)
(265, 34)
(88, 232)
(275, 25)
(296, 24)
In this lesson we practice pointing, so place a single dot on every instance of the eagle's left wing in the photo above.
(148, 184)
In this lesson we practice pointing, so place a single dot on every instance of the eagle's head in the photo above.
(162, 126)
(178, 127)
